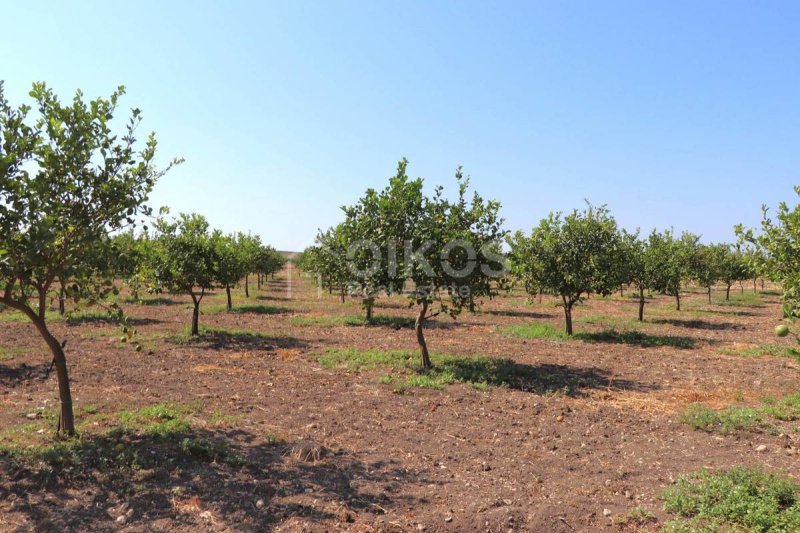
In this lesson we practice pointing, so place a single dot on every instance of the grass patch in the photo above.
(775, 350)
(210, 451)
(748, 299)
(7, 354)
(739, 499)
(163, 419)
(535, 330)
(539, 330)
(636, 517)
(786, 408)
(725, 421)
(329, 321)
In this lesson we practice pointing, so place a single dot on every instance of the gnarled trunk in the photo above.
(425, 358)
(66, 419)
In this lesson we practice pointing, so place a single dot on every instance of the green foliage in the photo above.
(183, 259)
(725, 421)
(571, 256)
(67, 181)
(777, 251)
(739, 498)
(162, 419)
(671, 261)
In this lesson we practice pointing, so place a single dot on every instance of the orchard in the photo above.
(423, 365)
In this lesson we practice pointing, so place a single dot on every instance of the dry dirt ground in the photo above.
(591, 427)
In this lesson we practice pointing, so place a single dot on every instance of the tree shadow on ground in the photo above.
(696, 324)
(517, 313)
(273, 298)
(109, 319)
(732, 312)
(637, 338)
(15, 375)
(152, 301)
(224, 339)
(189, 478)
(539, 379)
(259, 309)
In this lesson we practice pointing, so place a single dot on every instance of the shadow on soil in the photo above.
(697, 324)
(637, 338)
(15, 375)
(108, 319)
(195, 479)
(255, 309)
(222, 339)
(516, 313)
(539, 379)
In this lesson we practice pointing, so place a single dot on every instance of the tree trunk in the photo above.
(228, 293)
(728, 293)
(709, 294)
(762, 284)
(540, 296)
(741, 286)
(678, 301)
(258, 281)
(425, 358)
(66, 419)
(247, 286)
(368, 303)
(621, 292)
(567, 315)
(62, 296)
(341, 293)
(196, 314)
(641, 304)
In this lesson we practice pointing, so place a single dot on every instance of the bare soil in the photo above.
(596, 430)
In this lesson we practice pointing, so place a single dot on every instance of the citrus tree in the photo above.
(184, 259)
(232, 262)
(572, 256)
(671, 261)
(779, 238)
(451, 254)
(68, 179)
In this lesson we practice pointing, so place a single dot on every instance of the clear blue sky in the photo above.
(674, 113)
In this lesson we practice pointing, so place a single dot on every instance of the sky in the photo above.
(678, 114)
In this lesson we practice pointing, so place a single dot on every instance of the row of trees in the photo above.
(72, 191)
(184, 256)
(570, 256)
(585, 253)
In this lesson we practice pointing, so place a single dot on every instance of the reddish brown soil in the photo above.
(519, 458)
